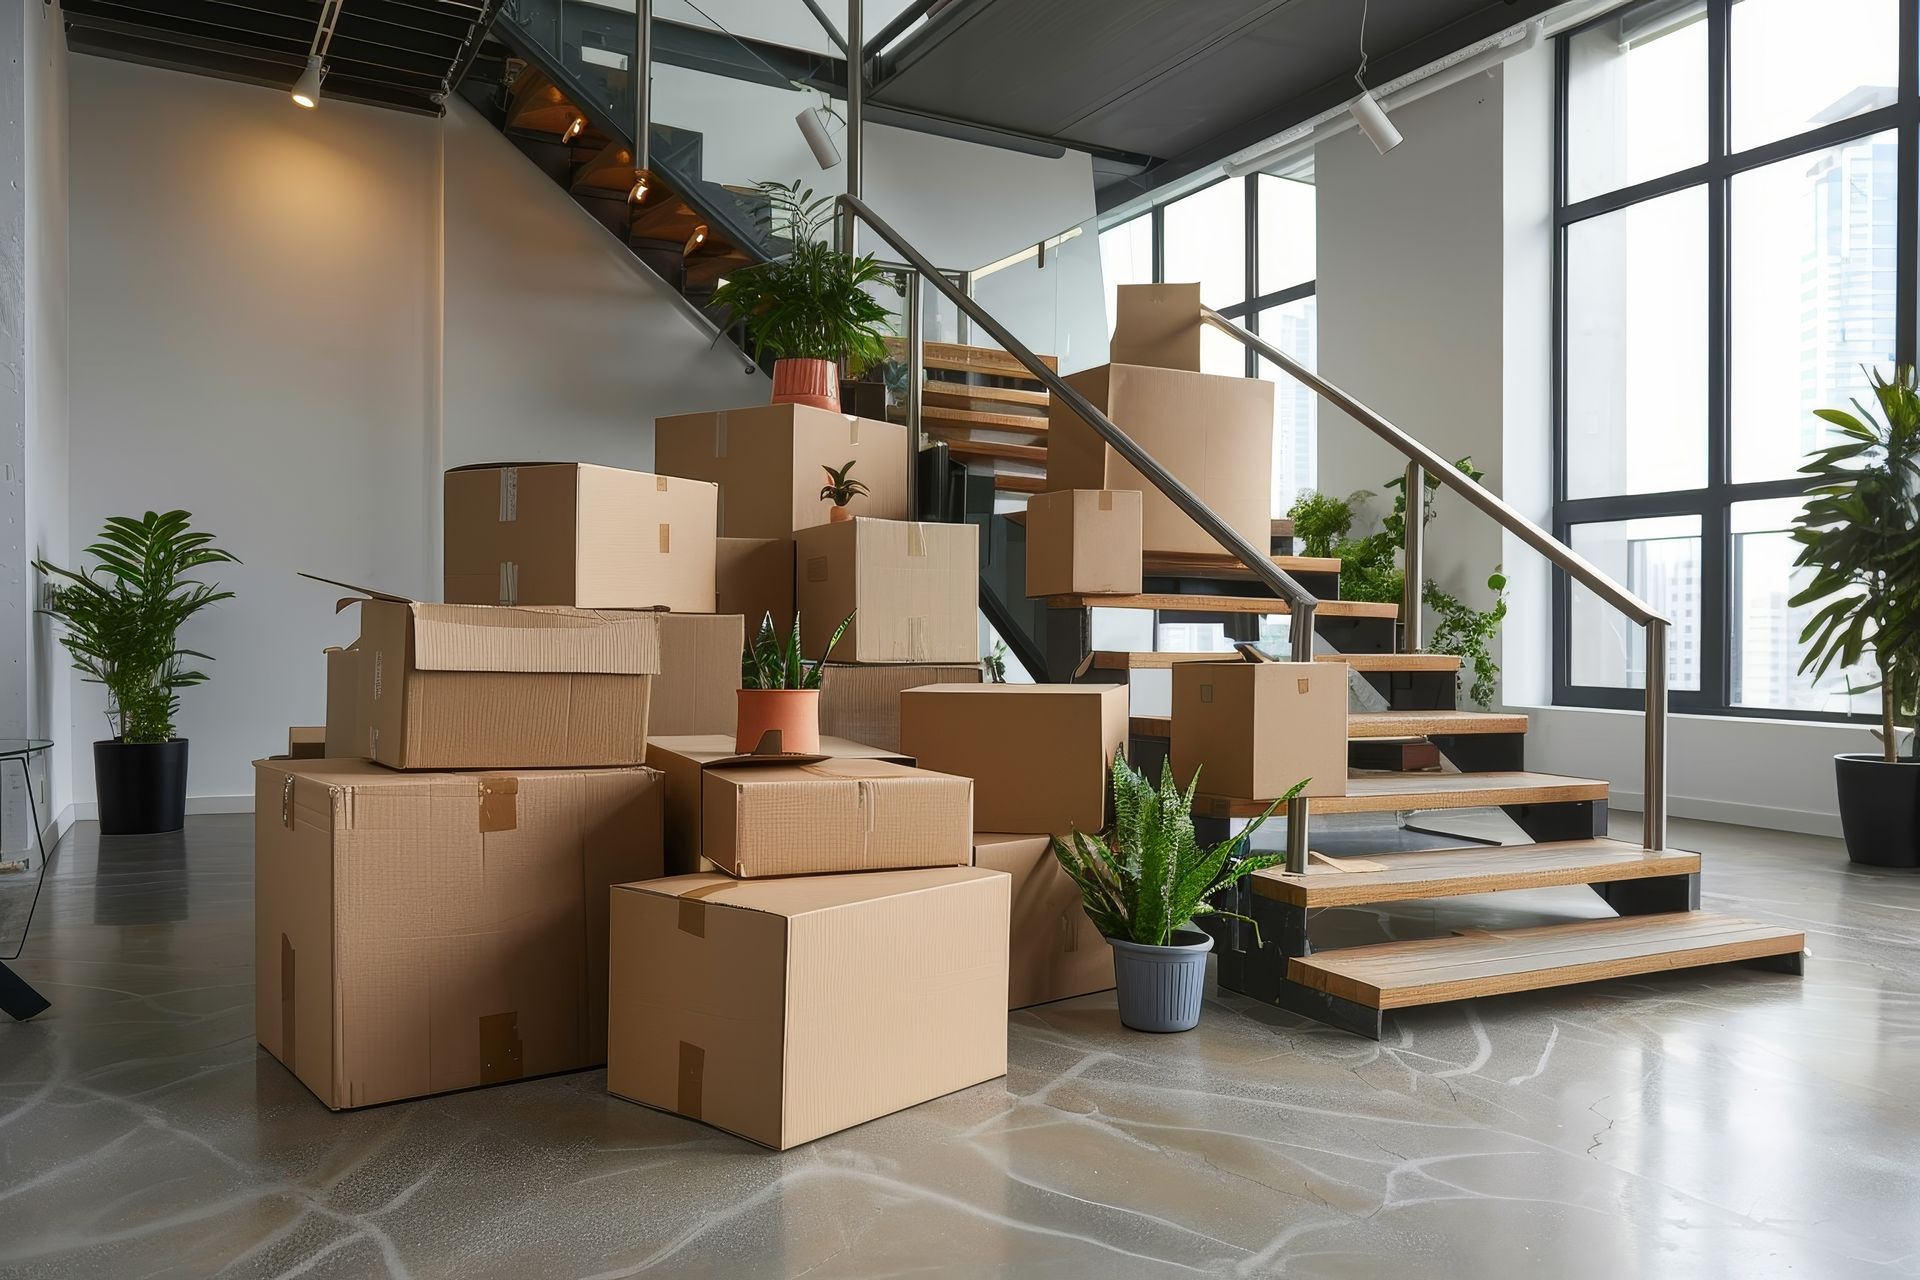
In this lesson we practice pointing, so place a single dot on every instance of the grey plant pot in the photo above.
(1159, 988)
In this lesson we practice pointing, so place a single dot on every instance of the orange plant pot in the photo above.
(839, 515)
(793, 713)
(809, 382)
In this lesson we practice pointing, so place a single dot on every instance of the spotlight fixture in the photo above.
(642, 183)
(1367, 110)
(813, 127)
(306, 89)
(574, 126)
(694, 241)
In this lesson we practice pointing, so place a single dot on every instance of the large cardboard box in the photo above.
(1038, 754)
(912, 587)
(461, 686)
(754, 578)
(346, 736)
(306, 742)
(699, 678)
(833, 815)
(1084, 541)
(1053, 949)
(767, 461)
(786, 1010)
(683, 760)
(419, 932)
(1213, 433)
(1158, 325)
(863, 703)
(570, 533)
(1253, 729)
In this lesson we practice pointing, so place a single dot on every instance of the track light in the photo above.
(306, 90)
(694, 241)
(642, 183)
(1372, 119)
(813, 127)
(574, 126)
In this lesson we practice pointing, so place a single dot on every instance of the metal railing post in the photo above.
(1653, 808)
(916, 390)
(1412, 624)
(643, 86)
(856, 119)
(1300, 643)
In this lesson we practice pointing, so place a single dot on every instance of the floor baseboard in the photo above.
(88, 811)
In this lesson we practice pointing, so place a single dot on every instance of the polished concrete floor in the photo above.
(1725, 1123)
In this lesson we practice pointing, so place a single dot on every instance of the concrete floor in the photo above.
(1719, 1123)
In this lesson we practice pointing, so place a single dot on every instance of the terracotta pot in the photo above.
(794, 713)
(808, 382)
(839, 515)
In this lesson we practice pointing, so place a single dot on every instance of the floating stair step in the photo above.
(965, 395)
(1223, 604)
(1171, 564)
(1281, 527)
(1451, 873)
(994, 451)
(955, 358)
(935, 418)
(1011, 482)
(1117, 660)
(1399, 975)
(1392, 792)
(1393, 661)
(1420, 724)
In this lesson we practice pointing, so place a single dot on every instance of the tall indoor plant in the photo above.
(120, 620)
(1144, 880)
(780, 690)
(1860, 534)
(811, 308)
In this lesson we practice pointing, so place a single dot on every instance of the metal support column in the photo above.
(916, 389)
(1653, 809)
(642, 77)
(1412, 630)
(856, 112)
(1300, 641)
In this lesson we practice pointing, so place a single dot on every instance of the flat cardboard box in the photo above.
(1084, 542)
(1039, 754)
(1157, 325)
(786, 1010)
(420, 932)
(833, 815)
(1054, 952)
(912, 587)
(755, 580)
(767, 461)
(306, 742)
(863, 703)
(1213, 433)
(696, 690)
(569, 533)
(1253, 729)
(346, 737)
(683, 760)
(462, 686)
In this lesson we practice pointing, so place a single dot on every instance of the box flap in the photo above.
(1157, 325)
(495, 466)
(711, 749)
(802, 895)
(366, 592)
(474, 637)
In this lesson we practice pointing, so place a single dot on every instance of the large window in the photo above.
(1249, 242)
(1737, 210)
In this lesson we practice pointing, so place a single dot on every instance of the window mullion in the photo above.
(1716, 545)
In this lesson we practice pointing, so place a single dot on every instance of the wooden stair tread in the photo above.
(1397, 975)
(1013, 482)
(955, 357)
(1281, 527)
(995, 451)
(1170, 564)
(1369, 792)
(1141, 660)
(1222, 604)
(1421, 724)
(1447, 873)
(934, 417)
(1393, 661)
(965, 395)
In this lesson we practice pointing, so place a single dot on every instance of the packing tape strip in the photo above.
(692, 1080)
(917, 646)
(816, 568)
(499, 803)
(720, 434)
(1106, 499)
(509, 582)
(289, 1004)
(660, 484)
(916, 539)
(666, 538)
(853, 429)
(500, 1057)
(1069, 930)
(692, 914)
(286, 801)
(509, 494)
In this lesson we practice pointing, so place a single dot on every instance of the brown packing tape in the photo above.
(499, 802)
(693, 1080)
(288, 1008)
(286, 801)
(1206, 693)
(666, 538)
(500, 1057)
(660, 483)
(1106, 499)
(916, 540)
(853, 429)
(1303, 684)
(816, 568)
(720, 434)
(509, 494)
(692, 915)
(917, 646)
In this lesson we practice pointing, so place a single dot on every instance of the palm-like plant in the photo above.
(771, 663)
(841, 488)
(1860, 534)
(816, 303)
(121, 619)
(1148, 875)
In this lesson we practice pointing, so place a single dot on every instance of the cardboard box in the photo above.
(1084, 541)
(786, 1010)
(1157, 325)
(755, 579)
(419, 932)
(699, 674)
(863, 703)
(1054, 951)
(683, 760)
(913, 588)
(461, 686)
(306, 742)
(1213, 433)
(569, 533)
(1254, 729)
(833, 815)
(346, 736)
(767, 461)
(1038, 754)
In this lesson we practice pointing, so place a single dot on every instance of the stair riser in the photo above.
(1358, 635)
(1414, 690)
(1324, 586)
(1483, 752)
(1567, 820)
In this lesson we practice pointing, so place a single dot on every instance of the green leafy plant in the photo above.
(816, 302)
(772, 663)
(1320, 523)
(120, 620)
(1860, 534)
(996, 662)
(841, 487)
(1467, 633)
(1147, 875)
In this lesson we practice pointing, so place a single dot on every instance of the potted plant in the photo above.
(120, 620)
(1860, 534)
(780, 692)
(840, 489)
(1144, 880)
(811, 308)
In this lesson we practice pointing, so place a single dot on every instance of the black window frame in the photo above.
(1712, 503)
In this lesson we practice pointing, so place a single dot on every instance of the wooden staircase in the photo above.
(989, 410)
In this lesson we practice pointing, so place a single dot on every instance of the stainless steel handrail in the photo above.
(1654, 799)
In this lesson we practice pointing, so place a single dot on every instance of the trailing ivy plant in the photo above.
(772, 663)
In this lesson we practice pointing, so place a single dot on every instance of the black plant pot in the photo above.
(142, 786)
(1880, 809)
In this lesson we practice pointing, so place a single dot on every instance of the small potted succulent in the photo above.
(780, 692)
(1142, 883)
(840, 489)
